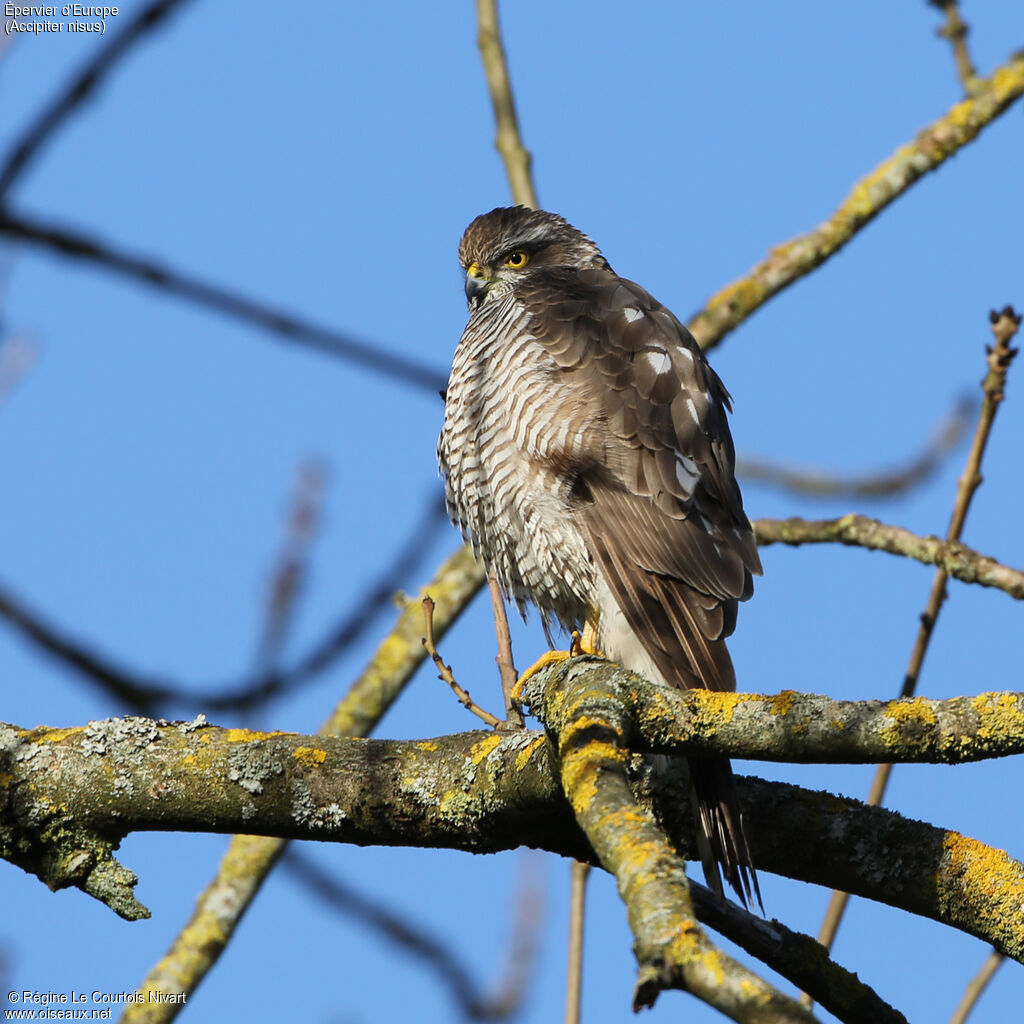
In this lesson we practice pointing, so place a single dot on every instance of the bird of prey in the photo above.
(587, 457)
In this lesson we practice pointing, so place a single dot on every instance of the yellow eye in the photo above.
(517, 260)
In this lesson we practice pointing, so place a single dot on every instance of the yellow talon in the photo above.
(587, 644)
(547, 658)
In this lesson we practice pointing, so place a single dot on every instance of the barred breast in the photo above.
(499, 449)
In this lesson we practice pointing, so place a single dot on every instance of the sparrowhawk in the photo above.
(587, 456)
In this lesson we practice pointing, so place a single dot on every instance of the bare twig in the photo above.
(17, 354)
(955, 30)
(394, 926)
(881, 484)
(445, 670)
(976, 987)
(79, 89)
(998, 359)
(577, 916)
(958, 560)
(69, 243)
(290, 572)
(794, 259)
(506, 664)
(508, 141)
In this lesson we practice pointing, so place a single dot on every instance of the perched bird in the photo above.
(587, 457)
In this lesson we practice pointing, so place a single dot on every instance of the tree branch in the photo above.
(880, 484)
(793, 727)
(671, 948)
(796, 258)
(64, 789)
(508, 141)
(79, 89)
(955, 30)
(960, 561)
(69, 243)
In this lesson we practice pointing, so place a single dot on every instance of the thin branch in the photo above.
(250, 859)
(798, 958)
(69, 243)
(880, 484)
(508, 141)
(17, 354)
(958, 560)
(998, 360)
(292, 564)
(395, 927)
(577, 919)
(955, 30)
(79, 89)
(506, 664)
(445, 671)
(976, 987)
(796, 258)
(149, 695)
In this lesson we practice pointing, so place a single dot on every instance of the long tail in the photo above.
(720, 836)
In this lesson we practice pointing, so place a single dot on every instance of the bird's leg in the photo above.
(578, 645)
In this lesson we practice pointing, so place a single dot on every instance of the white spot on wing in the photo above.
(686, 473)
(631, 313)
(693, 411)
(659, 361)
(684, 352)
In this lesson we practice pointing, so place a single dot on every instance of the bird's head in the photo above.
(500, 248)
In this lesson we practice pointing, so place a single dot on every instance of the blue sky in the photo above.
(325, 159)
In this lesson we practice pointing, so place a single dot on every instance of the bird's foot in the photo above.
(578, 645)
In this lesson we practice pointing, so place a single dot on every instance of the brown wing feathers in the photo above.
(662, 514)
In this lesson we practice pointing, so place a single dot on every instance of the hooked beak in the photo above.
(477, 282)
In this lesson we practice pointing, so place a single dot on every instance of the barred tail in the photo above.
(720, 837)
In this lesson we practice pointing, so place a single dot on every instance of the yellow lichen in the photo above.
(999, 714)
(57, 735)
(310, 757)
(248, 735)
(483, 747)
(427, 745)
(525, 755)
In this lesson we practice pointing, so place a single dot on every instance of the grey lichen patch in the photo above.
(94, 739)
(26, 752)
(197, 723)
(251, 766)
(306, 812)
(123, 783)
(129, 734)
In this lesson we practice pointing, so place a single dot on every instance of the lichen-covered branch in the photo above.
(788, 726)
(671, 948)
(958, 560)
(249, 859)
(62, 789)
(508, 141)
(797, 957)
(794, 259)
